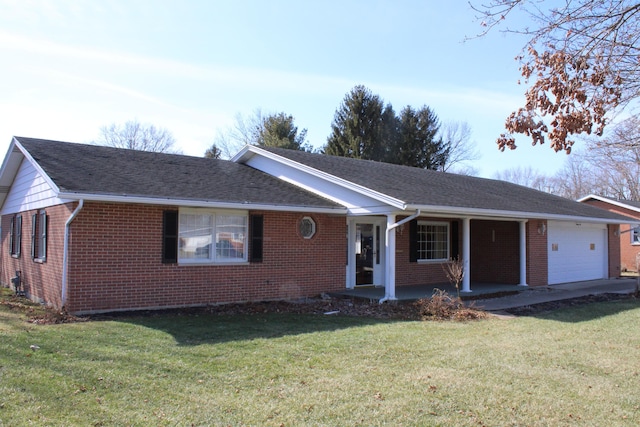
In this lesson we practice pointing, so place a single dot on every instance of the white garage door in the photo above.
(576, 251)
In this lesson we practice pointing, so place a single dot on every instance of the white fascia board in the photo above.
(505, 215)
(370, 210)
(618, 203)
(9, 170)
(16, 154)
(249, 151)
(243, 155)
(199, 203)
(10, 164)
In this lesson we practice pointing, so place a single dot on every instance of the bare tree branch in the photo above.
(135, 136)
(581, 61)
(461, 150)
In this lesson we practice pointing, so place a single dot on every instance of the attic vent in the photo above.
(307, 227)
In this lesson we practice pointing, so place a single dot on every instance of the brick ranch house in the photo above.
(629, 235)
(98, 229)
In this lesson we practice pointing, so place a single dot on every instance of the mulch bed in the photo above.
(333, 306)
(329, 306)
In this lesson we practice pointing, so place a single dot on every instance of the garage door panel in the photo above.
(576, 252)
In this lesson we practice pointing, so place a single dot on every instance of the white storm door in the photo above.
(367, 254)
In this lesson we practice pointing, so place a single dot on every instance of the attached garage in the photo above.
(577, 251)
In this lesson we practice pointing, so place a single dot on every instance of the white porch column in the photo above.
(390, 259)
(523, 253)
(466, 254)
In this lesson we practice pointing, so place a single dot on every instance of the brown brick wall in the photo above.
(417, 273)
(537, 255)
(41, 280)
(116, 258)
(614, 238)
(491, 261)
(627, 252)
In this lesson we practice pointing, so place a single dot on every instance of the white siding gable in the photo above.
(356, 202)
(29, 190)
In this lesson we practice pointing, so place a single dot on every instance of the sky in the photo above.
(70, 67)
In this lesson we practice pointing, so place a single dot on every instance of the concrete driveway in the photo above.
(538, 295)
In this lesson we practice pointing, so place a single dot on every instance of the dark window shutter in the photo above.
(454, 249)
(44, 223)
(12, 236)
(413, 240)
(256, 233)
(34, 236)
(170, 237)
(18, 235)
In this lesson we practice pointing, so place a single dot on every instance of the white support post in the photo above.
(523, 253)
(390, 259)
(466, 254)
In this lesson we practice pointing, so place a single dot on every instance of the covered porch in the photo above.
(410, 250)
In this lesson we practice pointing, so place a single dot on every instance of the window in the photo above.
(15, 236)
(307, 227)
(433, 240)
(39, 236)
(212, 236)
(635, 236)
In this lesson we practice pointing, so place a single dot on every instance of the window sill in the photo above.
(209, 263)
(39, 260)
(432, 261)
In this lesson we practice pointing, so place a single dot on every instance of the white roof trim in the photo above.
(618, 203)
(198, 203)
(250, 150)
(16, 154)
(515, 215)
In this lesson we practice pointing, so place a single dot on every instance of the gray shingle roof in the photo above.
(421, 187)
(98, 170)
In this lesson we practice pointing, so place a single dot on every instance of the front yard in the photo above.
(575, 366)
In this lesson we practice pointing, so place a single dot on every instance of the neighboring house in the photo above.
(629, 232)
(97, 229)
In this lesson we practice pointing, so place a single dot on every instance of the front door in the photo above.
(367, 251)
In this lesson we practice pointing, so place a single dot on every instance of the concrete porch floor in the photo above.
(408, 293)
(491, 297)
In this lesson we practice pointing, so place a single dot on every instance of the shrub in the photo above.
(442, 306)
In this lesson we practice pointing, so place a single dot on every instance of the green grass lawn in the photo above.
(577, 366)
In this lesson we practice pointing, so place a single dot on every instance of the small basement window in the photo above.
(307, 227)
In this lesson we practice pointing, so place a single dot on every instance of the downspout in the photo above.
(65, 256)
(391, 275)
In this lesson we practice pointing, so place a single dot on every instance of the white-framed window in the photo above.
(307, 227)
(212, 236)
(433, 241)
(635, 236)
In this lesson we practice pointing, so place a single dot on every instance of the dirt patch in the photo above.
(37, 313)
